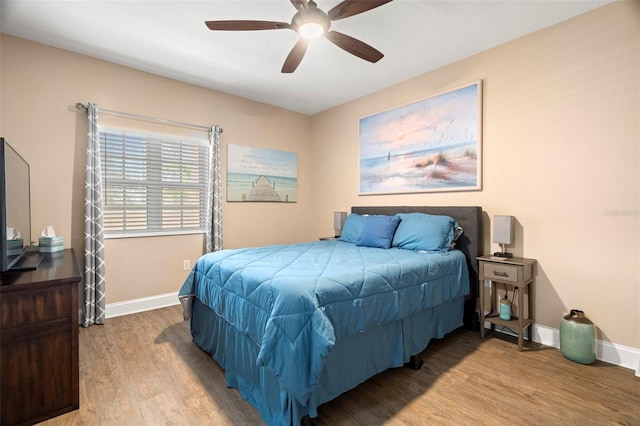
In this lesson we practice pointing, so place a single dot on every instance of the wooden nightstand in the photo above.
(516, 272)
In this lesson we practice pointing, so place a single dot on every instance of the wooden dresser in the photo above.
(39, 340)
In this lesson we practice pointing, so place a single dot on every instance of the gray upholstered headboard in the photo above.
(470, 243)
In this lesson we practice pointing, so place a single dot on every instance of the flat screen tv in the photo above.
(15, 209)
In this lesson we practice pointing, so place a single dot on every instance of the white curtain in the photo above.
(94, 270)
(214, 195)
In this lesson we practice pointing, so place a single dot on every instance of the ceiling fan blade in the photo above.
(301, 5)
(246, 25)
(354, 46)
(353, 7)
(295, 56)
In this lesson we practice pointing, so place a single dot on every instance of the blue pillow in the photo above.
(352, 228)
(378, 231)
(420, 231)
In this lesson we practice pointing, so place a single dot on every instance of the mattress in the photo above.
(294, 302)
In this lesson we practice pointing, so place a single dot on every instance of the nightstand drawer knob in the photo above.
(500, 274)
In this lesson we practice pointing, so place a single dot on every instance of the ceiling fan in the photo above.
(311, 22)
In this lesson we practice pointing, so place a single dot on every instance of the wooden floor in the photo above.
(143, 369)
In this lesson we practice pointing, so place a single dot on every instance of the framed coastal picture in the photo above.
(259, 174)
(432, 145)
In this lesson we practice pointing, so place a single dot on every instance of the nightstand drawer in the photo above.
(495, 271)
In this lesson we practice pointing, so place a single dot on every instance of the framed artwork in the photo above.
(258, 174)
(432, 145)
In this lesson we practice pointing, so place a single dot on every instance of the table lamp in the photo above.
(502, 233)
(338, 222)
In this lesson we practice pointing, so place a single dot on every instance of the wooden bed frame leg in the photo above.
(306, 421)
(414, 363)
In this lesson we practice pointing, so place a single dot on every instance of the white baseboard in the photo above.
(623, 356)
(140, 305)
(612, 353)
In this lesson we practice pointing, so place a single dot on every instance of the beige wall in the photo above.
(561, 153)
(40, 86)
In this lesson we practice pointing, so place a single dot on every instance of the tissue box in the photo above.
(15, 243)
(50, 241)
(52, 249)
(14, 247)
(50, 244)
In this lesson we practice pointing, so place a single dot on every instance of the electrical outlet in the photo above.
(186, 265)
(487, 283)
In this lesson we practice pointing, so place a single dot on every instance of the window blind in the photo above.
(152, 185)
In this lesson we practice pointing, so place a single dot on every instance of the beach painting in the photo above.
(259, 174)
(427, 146)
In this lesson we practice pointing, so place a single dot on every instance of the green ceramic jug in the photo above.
(578, 337)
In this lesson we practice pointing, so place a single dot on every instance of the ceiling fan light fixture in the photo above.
(311, 22)
(311, 30)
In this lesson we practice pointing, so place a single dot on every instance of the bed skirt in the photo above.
(351, 361)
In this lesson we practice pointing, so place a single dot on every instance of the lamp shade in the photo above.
(338, 222)
(502, 229)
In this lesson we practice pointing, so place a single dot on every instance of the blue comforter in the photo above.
(294, 301)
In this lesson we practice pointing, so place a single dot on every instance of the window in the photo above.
(153, 185)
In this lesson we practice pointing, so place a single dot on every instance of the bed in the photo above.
(294, 326)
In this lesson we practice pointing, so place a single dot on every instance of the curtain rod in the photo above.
(80, 105)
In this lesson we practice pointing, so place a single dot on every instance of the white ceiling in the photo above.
(169, 38)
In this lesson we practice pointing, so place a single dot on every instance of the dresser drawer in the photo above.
(498, 272)
(22, 308)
